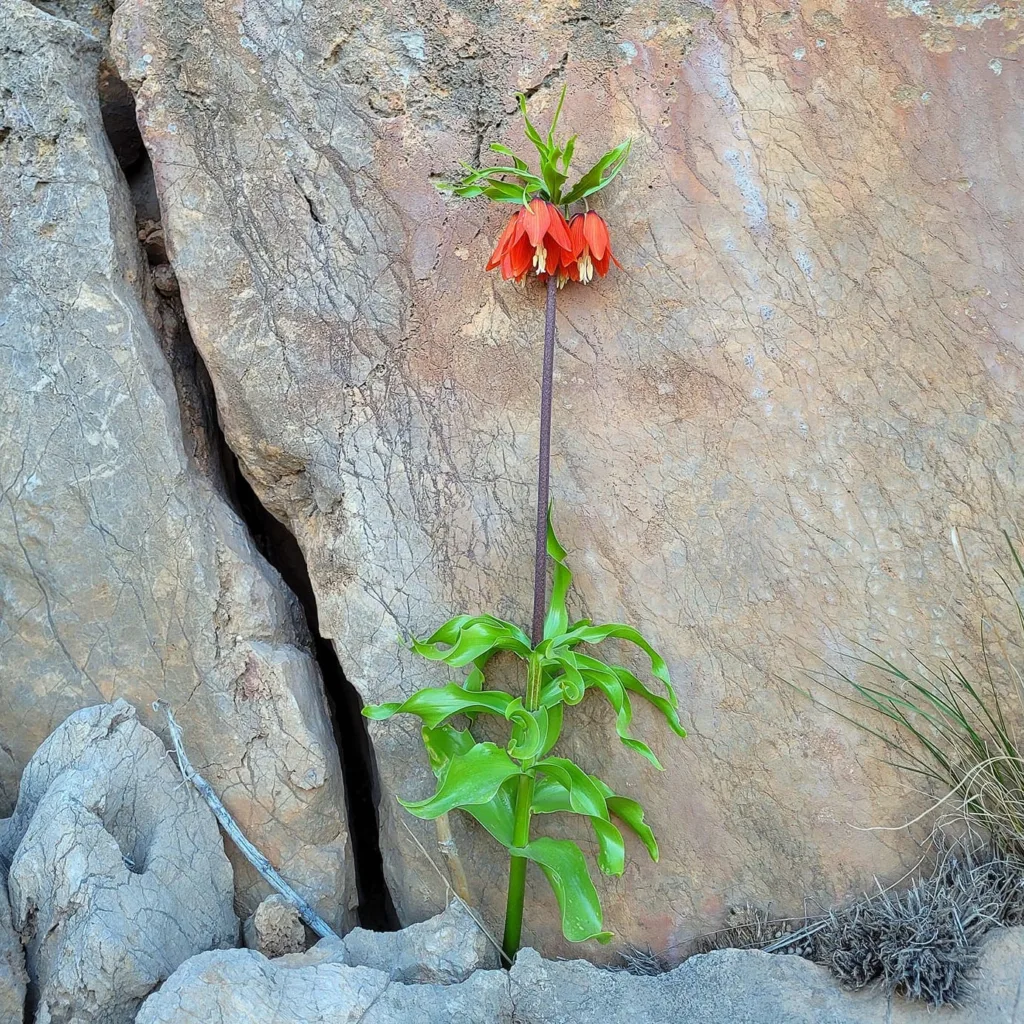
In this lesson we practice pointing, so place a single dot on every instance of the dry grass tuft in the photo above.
(922, 942)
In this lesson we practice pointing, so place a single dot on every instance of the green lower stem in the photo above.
(524, 794)
(517, 869)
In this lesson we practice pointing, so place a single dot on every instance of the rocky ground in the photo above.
(121, 911)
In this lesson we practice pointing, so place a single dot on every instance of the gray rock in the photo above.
(119, 875)
(274, 928)
(750, 987)
(244, 987)
(123, 569)
(446, 949)
(12, 962)
(725, 987)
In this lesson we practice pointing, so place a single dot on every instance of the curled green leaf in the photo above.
(589, 634)
(465, 638)
(550, 796)
(605, 678)
(565, 868)
(436, 703)
(530, 729)
(470, 778)
(585, 797)
(632, 814)
(445, 742)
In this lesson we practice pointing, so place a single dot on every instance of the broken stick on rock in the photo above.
(258, 861)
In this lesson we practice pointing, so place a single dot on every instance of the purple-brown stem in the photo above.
(524, 794)
(540, 567)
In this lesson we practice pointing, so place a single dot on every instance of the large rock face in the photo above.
(777, 431)
(123, 571)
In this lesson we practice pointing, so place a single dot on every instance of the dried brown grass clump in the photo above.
(923, 942)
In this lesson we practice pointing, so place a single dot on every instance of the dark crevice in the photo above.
(207, 445)
(359, 766)
(530, 91)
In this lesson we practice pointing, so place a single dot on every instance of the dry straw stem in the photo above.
(231, 827)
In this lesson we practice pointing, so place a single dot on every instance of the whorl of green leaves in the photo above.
(514, 182)
(480, 778)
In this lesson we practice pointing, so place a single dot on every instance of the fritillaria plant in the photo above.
(503, 788)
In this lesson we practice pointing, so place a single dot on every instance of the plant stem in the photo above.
(524, 794)
(540, 566)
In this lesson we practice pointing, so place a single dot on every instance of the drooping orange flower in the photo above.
(536, 237)
(591, 246)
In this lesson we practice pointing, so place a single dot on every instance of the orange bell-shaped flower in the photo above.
(591, 248)
(536, 237)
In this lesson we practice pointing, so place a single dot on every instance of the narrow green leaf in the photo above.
(554, 179)
(526, 176)
(601, 174)
(544, 150)
(565, 868)
(520, 165)
(557, 618)
(503, 192)
(436, 703)
(558, 113)
(570, 148)
(470, 778)
(550, 796)
(531, 133)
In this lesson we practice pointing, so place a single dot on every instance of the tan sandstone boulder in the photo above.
(783, 428)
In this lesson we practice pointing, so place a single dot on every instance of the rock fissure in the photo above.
(279, 546)
(200, 424)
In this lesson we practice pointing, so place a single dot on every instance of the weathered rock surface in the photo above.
(12, 961)
(123, 570)
(119, 875)
(726, 987)
(776, 431)
(446, 949)
(749, 987)
(274, 928)
(243, 987)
